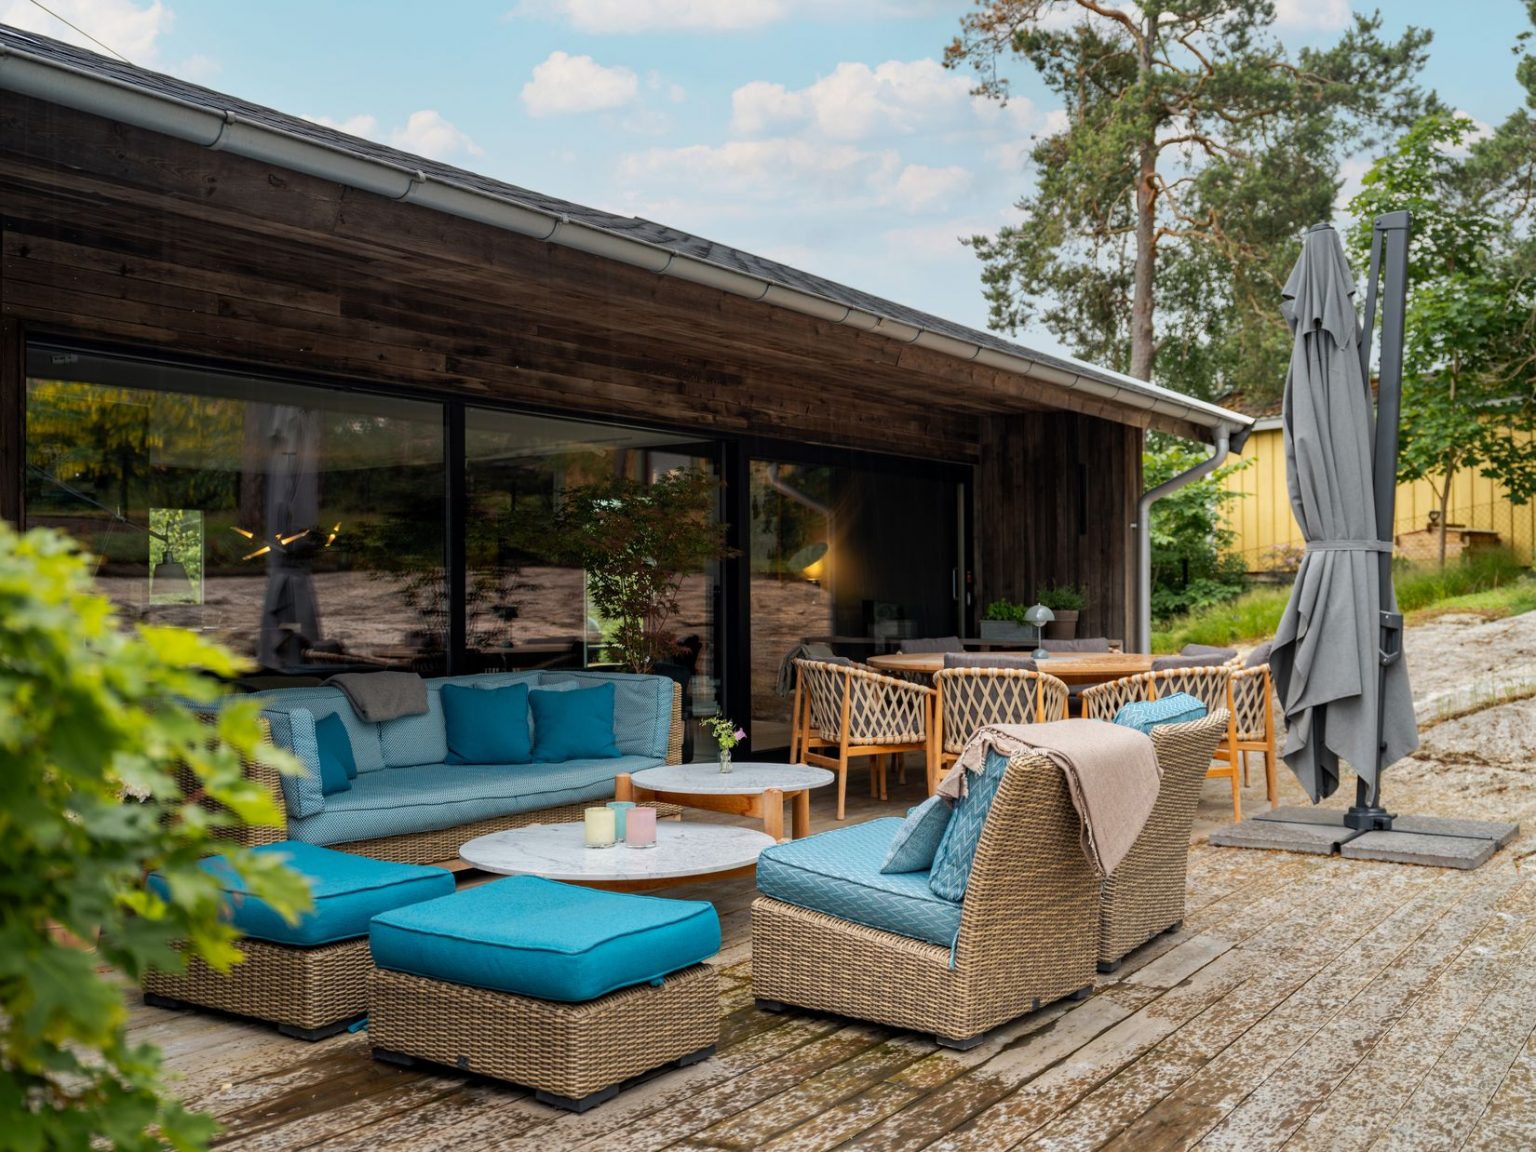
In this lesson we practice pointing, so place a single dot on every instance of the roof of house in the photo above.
(73, 77)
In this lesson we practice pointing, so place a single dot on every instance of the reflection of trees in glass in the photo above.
(789, 516)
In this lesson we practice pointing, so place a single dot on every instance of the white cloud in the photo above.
(920, 187)
(124, 26)
(628, 16)
(763, 168)
(856, 101)
(1318, 15)
(424, 133)
(565, 83)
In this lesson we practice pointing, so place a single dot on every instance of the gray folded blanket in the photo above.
(379, 696)
(1111, 771)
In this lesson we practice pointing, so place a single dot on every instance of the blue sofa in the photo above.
(407, 803)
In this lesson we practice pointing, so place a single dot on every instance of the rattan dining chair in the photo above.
(1211, 685)
(1253, 714)
(843, 712)
(970, 698)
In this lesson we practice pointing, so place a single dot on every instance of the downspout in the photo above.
(1225, 442)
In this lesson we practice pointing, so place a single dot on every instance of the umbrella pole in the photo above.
(1392, 275)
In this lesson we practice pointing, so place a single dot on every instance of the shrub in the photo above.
(91, 741)
(1192, 568)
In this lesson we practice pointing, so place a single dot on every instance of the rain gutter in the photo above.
(116, 98)
(1226, 441)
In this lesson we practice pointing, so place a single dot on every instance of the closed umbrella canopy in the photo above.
(1325, 659)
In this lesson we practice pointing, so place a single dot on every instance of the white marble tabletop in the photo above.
(744, 779)
(558, 852)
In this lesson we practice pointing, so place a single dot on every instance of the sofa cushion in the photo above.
(538, 938)
(917, 840)
(1259, 655)
(423, 739)
(1145, 715)
(838, 872)
(571, 724)
(642, 707)
(1221, 655)
(294, 731)
(400, 801)
(486, 725)
(322, 702)
(957, 851)
(337, 766)
(348, 891)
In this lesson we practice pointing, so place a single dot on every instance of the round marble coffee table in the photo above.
(683, 853)
(749, 789)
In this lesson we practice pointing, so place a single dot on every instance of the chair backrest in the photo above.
(881, 709)
(1087, 644)
(1164, 663)
(1222, 654)
(1259, 655)
(972, 698)
(1250, 690)
(988, 660)
(932, 644)
(1207, 683)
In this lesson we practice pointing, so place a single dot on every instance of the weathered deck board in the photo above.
(1307, 1003)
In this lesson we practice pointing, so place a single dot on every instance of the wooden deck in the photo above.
(1308, 1003)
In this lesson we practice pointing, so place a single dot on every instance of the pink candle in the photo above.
(640, 828)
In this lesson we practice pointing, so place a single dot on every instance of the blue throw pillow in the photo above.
(951, 870)
(486, 725)
(1145, 715)
(917, 840)
(337, 764)
(573, 725)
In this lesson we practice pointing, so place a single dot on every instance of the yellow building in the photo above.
(1267, 535)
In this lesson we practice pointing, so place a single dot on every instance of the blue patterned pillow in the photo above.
(917, 840)
(951, 870)
(1145, 715)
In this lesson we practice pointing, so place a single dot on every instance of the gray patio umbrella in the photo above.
(1342, 700)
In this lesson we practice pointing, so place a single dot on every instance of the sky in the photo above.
(821, 133)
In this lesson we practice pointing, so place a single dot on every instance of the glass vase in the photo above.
(725, 759)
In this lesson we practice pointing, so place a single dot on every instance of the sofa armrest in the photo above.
(675, 735)
(265, 775)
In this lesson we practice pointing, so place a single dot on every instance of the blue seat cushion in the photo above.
(917, 840)
(572, 725)
(838, 872)
(550, 941)
(348, 892)
(1145, 715)
(338, 767)
(486, 725)
(957, 850)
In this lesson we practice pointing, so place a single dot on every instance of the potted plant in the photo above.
(1003, 621)
(1066, 601)
(637, 542)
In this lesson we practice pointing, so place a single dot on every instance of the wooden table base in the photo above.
(767, 806)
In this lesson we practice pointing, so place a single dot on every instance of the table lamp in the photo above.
(1039, 616)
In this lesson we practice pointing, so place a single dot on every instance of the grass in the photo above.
(1491, 583)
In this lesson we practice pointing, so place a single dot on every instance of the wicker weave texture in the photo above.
(1028, 930)
(1250, 692)
(879, 709)
(302, 987)
(1209, 685)
(972, 698)
(1145, 895)
(567, 1049)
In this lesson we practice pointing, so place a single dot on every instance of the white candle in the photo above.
(600, 828)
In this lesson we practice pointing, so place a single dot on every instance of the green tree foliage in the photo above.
(1501, 170)
(637, 541)
(1196, 149)
(91, 741)
(1469, 365)
(1191, 565)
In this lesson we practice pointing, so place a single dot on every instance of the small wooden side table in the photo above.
(749, 789)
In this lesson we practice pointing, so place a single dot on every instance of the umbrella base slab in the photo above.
(1438, 842)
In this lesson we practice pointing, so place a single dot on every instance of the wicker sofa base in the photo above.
(574, 1056)
(811, 960)
(441, 846)
(309, 993)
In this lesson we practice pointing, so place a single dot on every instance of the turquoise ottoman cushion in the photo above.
(1145, 715)
(547, 940)
(348, 892)
(838, 872)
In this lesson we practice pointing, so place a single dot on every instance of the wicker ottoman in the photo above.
(569, 991)
(308, 978)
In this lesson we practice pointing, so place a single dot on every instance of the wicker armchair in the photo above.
(971, 698)
(1253, 714)
(1028, 931)
(1145, 895)
(842, 712)
(1211, 685)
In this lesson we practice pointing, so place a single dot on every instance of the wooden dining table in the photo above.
(1069, 667)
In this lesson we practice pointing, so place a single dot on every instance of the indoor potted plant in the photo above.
(1066, 601)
